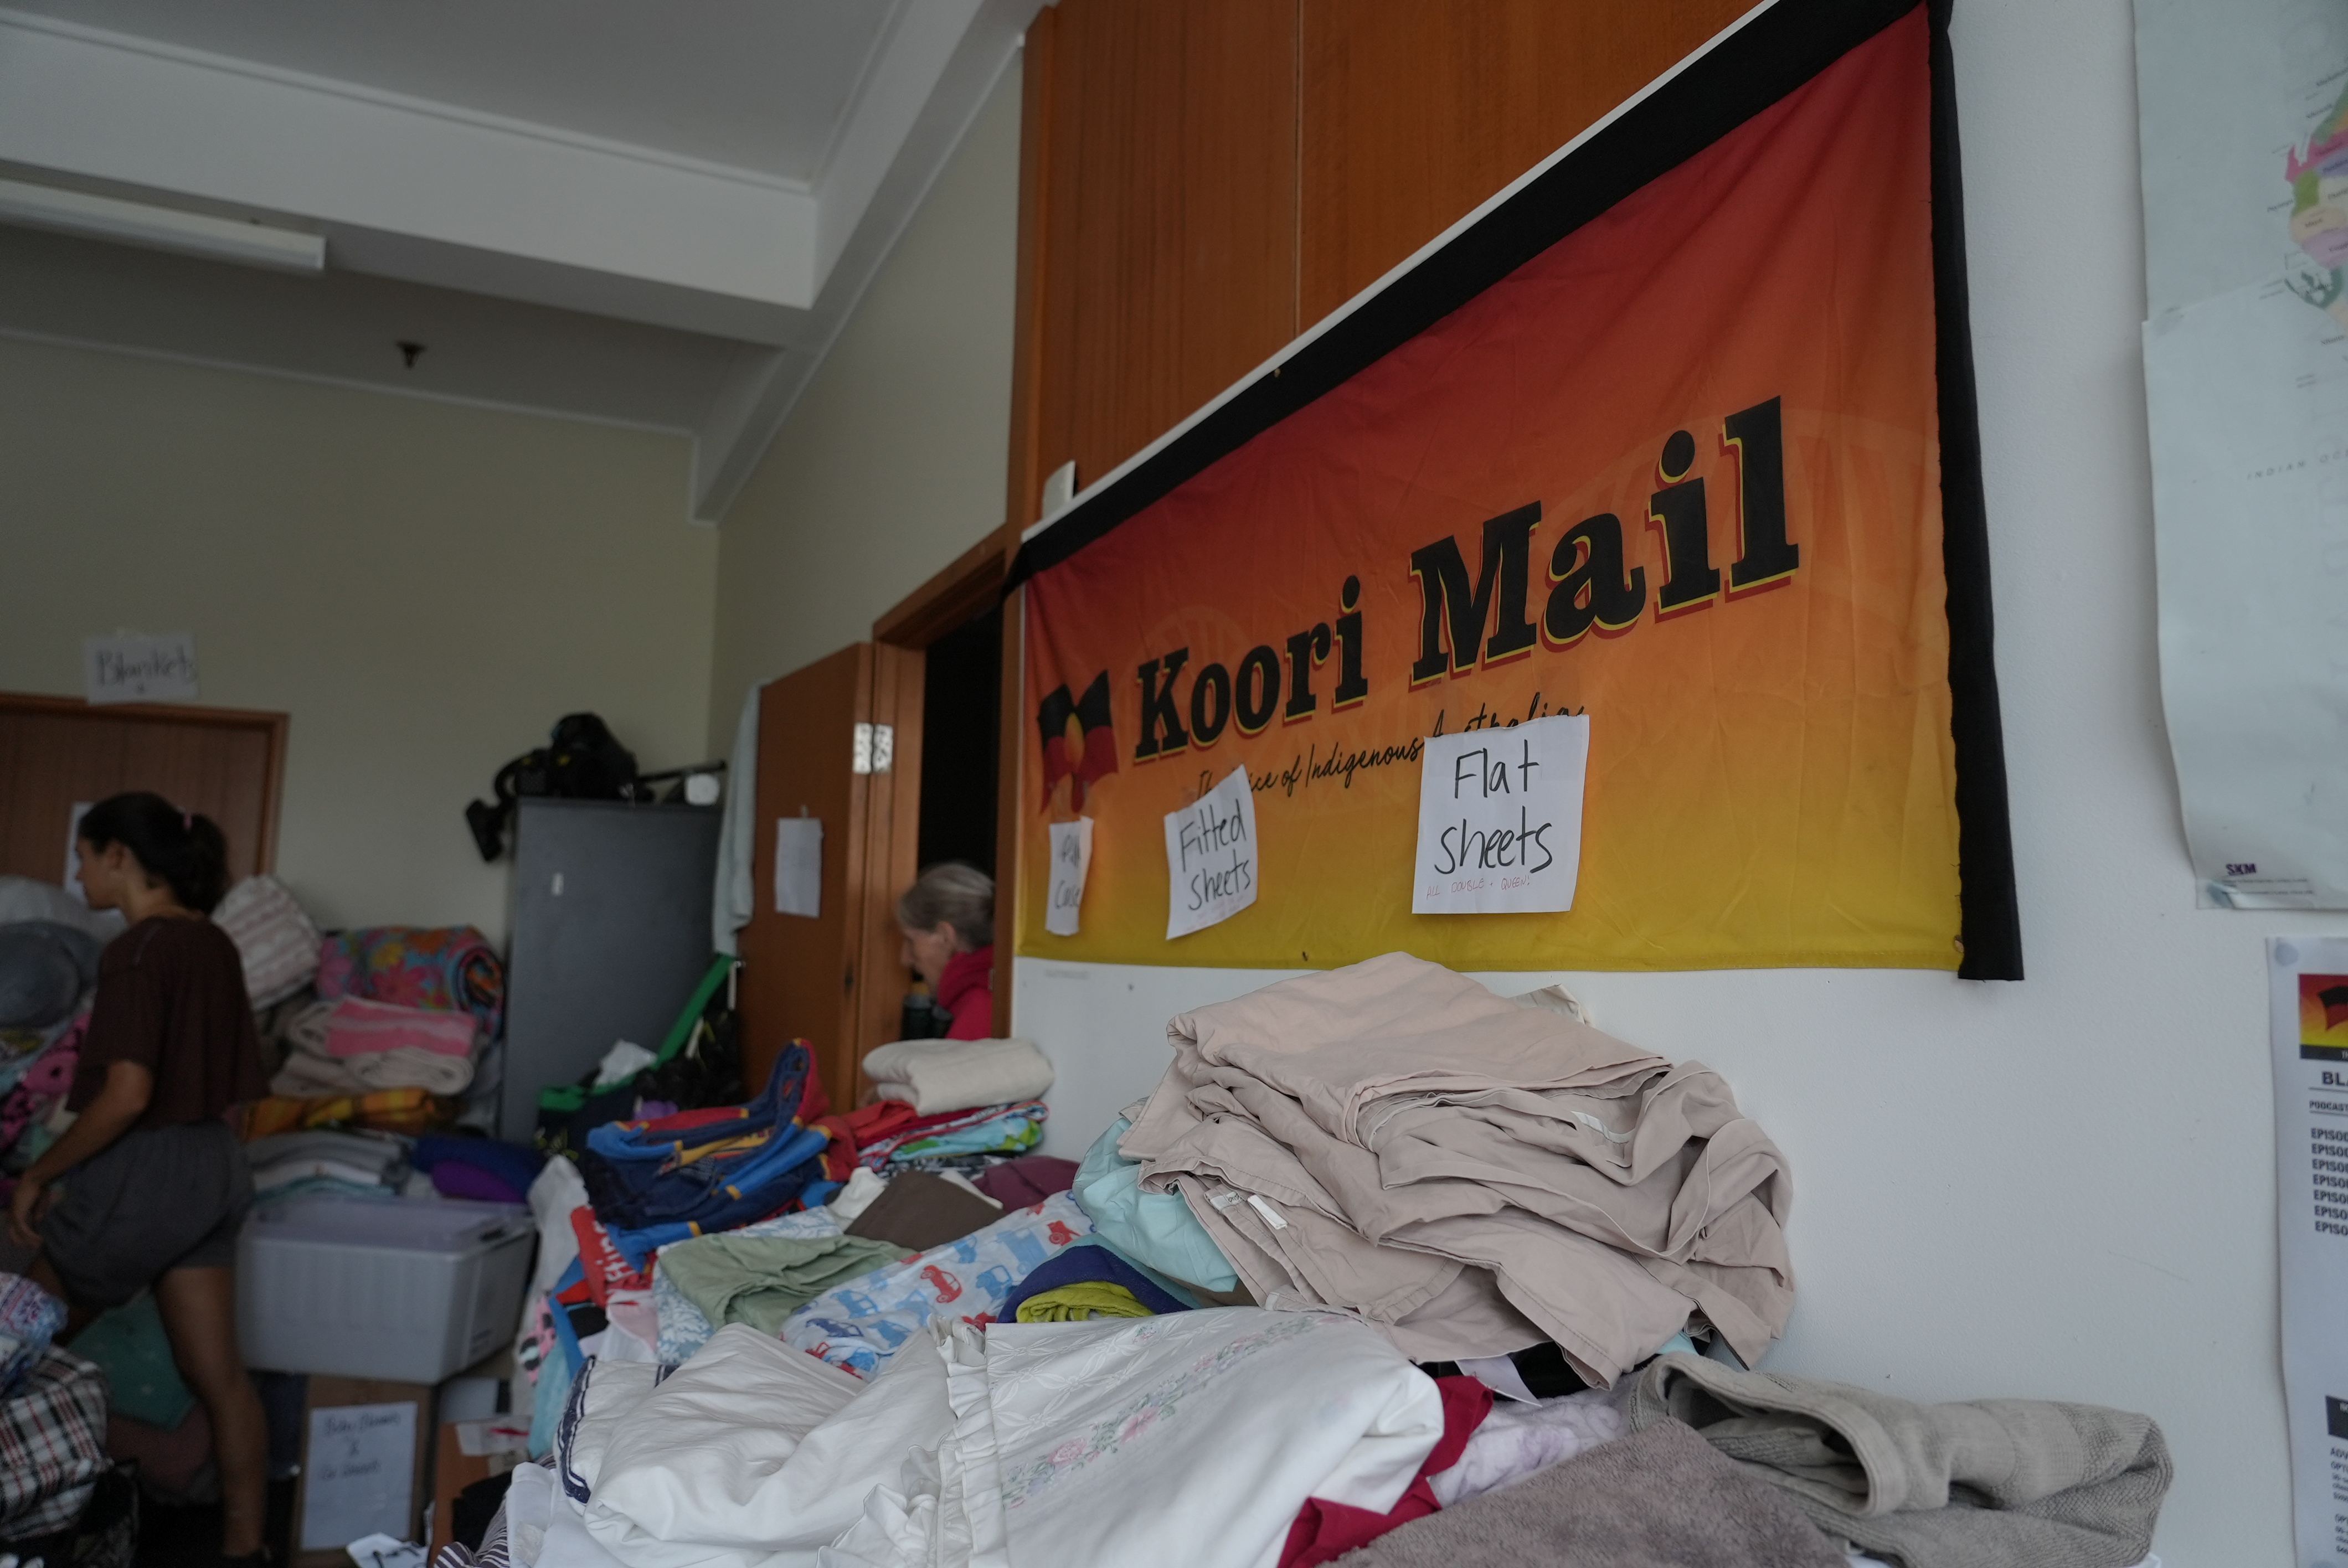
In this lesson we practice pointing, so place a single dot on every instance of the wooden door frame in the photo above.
(953, 596)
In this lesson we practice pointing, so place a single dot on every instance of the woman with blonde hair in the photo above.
(948, 921)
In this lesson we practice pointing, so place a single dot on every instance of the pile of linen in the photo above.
(392, 1028)
(1474, 1175)
(49, 948)
(1194, 1438)
(348, 1165)
(941, 1103)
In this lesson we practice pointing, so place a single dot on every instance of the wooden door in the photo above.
(227, 764)
(834, 739)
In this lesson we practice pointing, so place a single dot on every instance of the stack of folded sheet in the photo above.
(353, 1046)
(341, 1164)
(1472, 1174)
(951, 1101)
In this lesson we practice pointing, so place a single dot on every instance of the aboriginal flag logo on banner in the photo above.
(1678, 436)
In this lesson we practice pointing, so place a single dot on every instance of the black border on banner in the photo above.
(1754, 66)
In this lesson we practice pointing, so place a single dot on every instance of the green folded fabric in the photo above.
(142, 1380)
(1083, 1300)
(762, 1280)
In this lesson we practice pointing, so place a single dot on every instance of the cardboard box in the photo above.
(364, 1447)
(496, 1451)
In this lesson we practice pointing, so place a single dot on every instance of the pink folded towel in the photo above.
(359, 1027)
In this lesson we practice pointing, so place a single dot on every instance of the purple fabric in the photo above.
(1027, 1181)
(454, 1179)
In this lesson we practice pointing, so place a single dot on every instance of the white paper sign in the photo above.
(73, 850)
(133, 668)
(357, 1478)
(1500, 819)
(1072, 856)
(1211, 858)
(2307, 988)
(799, 866)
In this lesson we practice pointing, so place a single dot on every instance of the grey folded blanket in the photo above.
(1986, 1483)
(1662, 1498)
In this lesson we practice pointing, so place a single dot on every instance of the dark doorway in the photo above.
(962, 742)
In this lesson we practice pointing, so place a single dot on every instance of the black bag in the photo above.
(582, 761)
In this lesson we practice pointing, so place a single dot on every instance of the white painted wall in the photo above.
(424, 587)
(895, 459)
(2062, 1187)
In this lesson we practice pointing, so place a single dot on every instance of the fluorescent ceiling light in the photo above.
(161, 228)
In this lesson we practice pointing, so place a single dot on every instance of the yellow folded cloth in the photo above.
(1078, 1302)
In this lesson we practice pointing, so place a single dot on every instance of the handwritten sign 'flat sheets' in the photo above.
(1072, 855)
(1210, 857)
(1500, 819)
(132, 668)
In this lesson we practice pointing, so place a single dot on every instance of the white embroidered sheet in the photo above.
(1191, 1439)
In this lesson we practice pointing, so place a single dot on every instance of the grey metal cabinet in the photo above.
(611, 933)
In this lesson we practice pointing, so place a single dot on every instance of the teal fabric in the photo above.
(142, 1381)
(547, 1399)
(1155, 1230)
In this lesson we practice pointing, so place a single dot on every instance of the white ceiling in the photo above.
(660, 214)
(760, 85)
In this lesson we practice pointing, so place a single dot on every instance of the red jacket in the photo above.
(966, 990)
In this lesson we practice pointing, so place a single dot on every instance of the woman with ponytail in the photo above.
(148, 1186)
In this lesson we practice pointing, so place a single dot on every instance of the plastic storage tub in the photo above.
(410, 1290)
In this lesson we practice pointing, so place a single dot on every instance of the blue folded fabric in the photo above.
(1082, 1263)
(1157, 1228)
(745, 1195)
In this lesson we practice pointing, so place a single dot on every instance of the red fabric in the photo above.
(1325, 1531)
(605, 1270)
(967, 991)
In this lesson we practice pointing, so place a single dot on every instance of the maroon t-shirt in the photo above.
(170, 997)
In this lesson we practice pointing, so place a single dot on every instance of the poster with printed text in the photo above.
(1653, 445)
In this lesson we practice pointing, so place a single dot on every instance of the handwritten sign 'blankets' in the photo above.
(1500, 819)
(1677, 435)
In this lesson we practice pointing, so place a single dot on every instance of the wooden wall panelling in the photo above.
(227, 764)
(1412, 114)
(1024, 480)
(798, 973)
(891, 860)
(1164, 141)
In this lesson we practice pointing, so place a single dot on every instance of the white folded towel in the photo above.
(935, 1075)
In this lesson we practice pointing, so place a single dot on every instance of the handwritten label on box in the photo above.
(1500, 819)
(1210, 857)
(359, 1474)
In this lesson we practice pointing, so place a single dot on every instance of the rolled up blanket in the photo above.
(935, 1075)
(446, 966)
(1985, 1483)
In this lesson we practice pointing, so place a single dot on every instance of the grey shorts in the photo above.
(152, 1200)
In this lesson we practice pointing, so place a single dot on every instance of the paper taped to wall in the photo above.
(1072, 857)
(132, 667)
(799, 866)
(1500, 819)
(1210, 857)
(2307, 1010)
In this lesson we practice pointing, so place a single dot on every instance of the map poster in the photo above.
(2244, 108)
